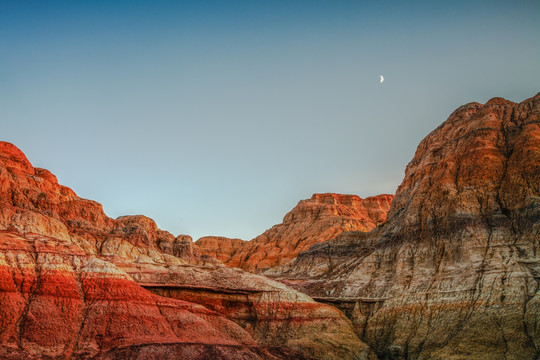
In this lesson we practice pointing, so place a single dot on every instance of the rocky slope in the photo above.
(75, 283)
(225, 249)
(312, 221)
(454, 273)
(59, 302)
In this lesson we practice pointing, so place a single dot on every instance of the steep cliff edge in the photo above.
(75, 283)
(455, 270)
(312, 221)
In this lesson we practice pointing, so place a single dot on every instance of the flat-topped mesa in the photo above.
(454, 271)
(368, 212)
(312, 221)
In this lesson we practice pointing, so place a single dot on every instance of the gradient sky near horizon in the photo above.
(217, 117)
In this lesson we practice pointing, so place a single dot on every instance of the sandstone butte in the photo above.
(312, 221)
(454, 273)
(76, 284)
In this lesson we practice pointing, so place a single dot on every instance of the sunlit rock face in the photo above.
(32, 200)
(56, 301)
(312, 221)
(75, 283)
(224, 249)
(454, 272)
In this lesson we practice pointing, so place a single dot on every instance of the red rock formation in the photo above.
(57, 301)
(222, 248)
(70, 286)
(454, 272)
(32, 201)
(312, 221)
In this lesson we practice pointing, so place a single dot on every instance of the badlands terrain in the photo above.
(449, 268)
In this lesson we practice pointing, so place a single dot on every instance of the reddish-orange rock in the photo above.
(72, 285)
(312, 221)
(57, 301)
(222, 248)
(32, 200)
(454, 273)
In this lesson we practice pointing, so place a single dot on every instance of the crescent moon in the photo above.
(382, 79)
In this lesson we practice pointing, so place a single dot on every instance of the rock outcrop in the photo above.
(32, 200)
(75, 283)
(454, 272)
(56, 301)
(312, 221)
(228, 251)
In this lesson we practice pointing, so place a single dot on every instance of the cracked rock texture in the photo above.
(454, 273)
(312, 221)
(75, 283)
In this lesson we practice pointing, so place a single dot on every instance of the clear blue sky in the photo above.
(217, 117)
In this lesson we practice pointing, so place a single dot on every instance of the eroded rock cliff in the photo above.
(312, 221)
(75, 283)
(454, 272)
(56, 301)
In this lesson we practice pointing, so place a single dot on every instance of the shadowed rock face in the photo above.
(75, 283)
(312, 221)
(454, 272)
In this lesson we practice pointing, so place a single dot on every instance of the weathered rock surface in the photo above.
(454, 272)
(312, 221)
(226, 250)
(32, 200)
(72, 285)
(56, 301)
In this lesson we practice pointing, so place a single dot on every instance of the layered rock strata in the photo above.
(454, 272)
(312, 221)
(75, 283)
(56, 301)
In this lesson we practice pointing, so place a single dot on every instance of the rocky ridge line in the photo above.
(99, 296)
(312, 221)
(455, 270)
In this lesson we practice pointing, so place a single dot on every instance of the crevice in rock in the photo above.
(75, 340)
(21, 322)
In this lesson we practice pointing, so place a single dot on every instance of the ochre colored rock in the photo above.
(452, 274)
(57, 301)
(221, 248)
(72, 285)
(454, 271)
(32, 201)
(312, 221)
(273, 314)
